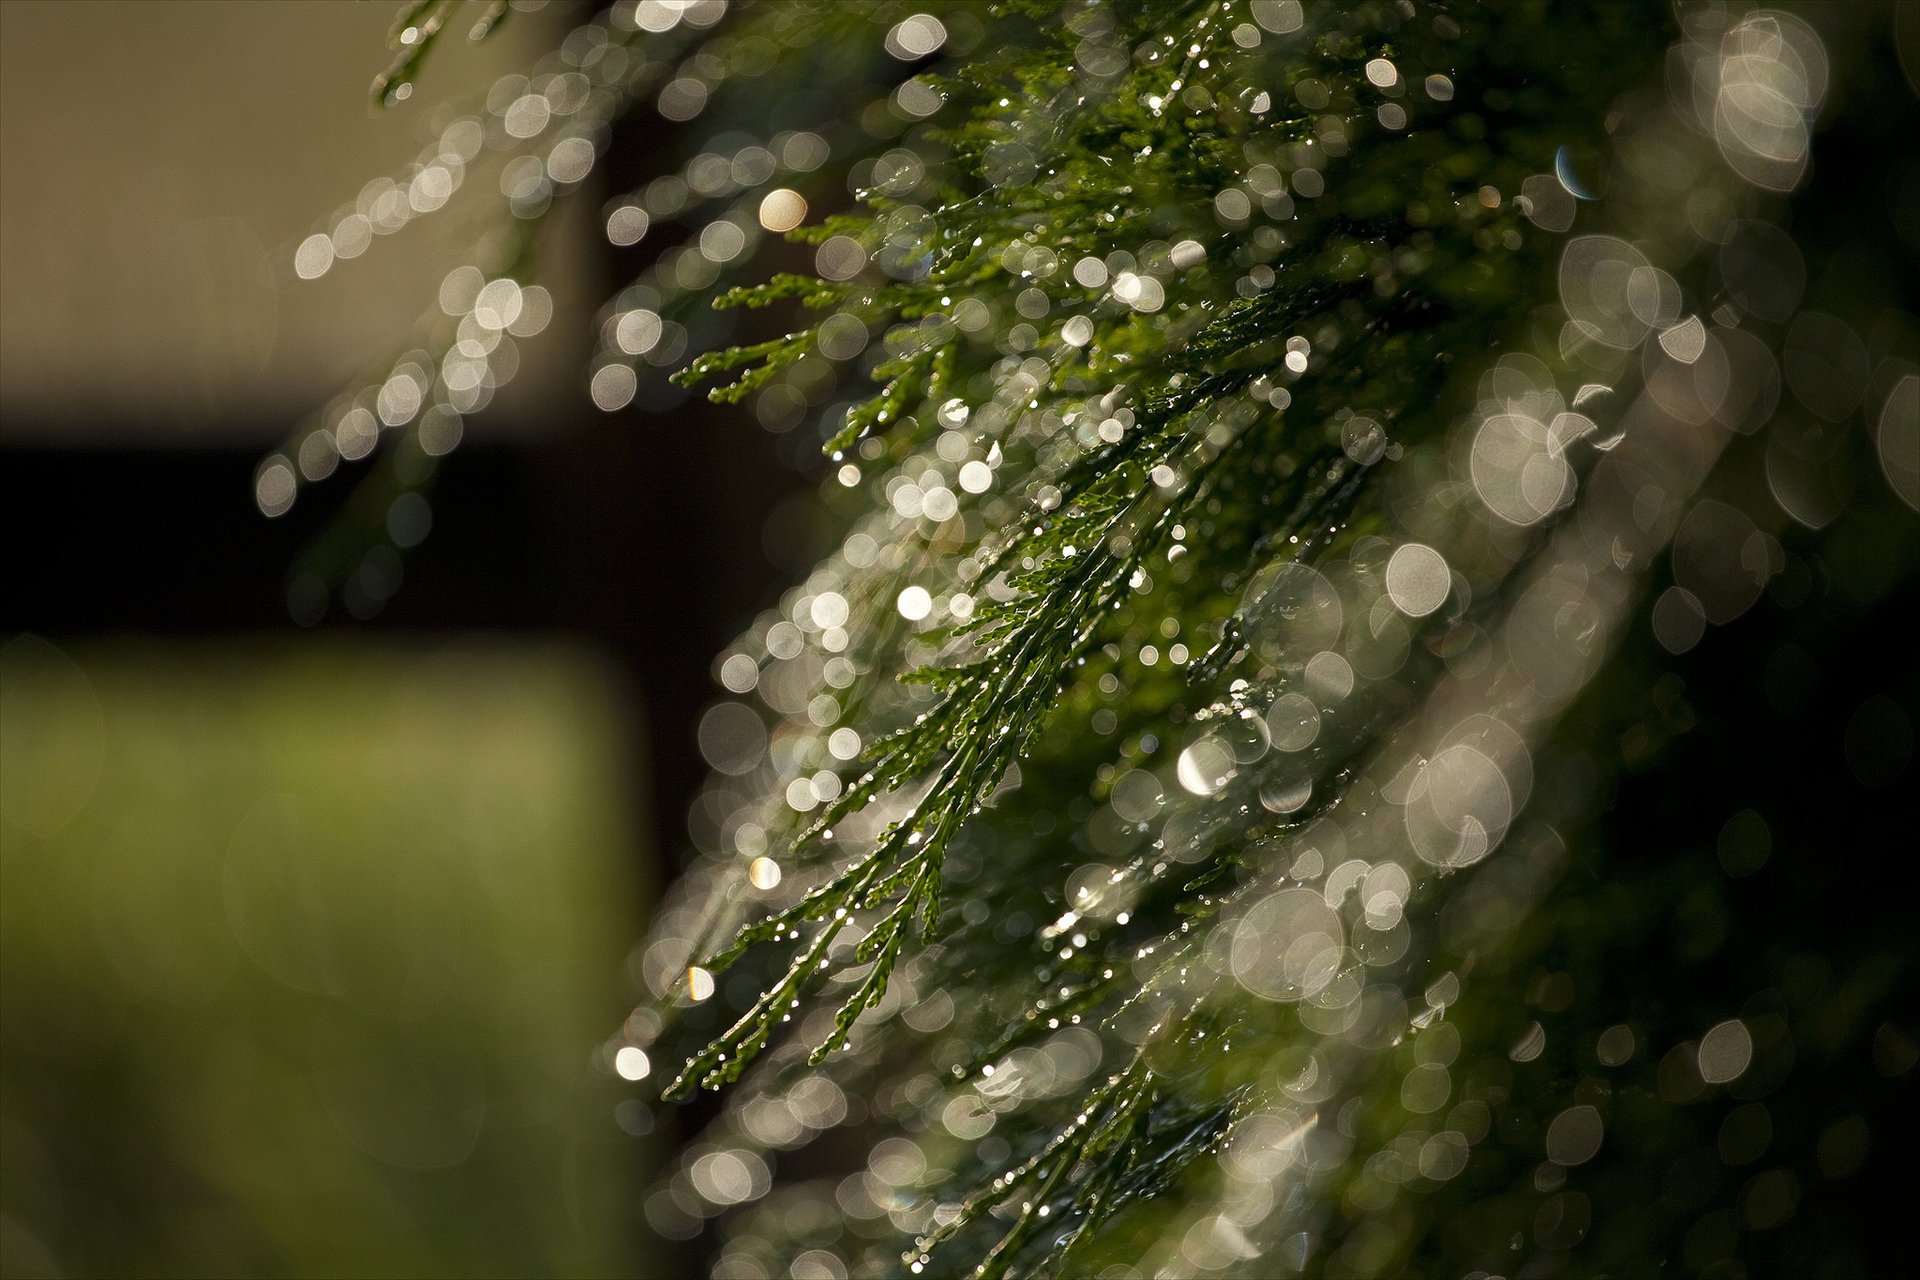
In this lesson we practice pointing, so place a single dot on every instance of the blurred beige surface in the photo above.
(159, 162)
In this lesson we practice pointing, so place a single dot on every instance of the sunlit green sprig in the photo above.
(1065, 573)
(1403, 289)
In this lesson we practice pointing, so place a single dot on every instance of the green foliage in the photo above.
(1405, 296)
(1254, 443)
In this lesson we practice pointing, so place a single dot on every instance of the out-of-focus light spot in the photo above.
(1678, 620)
(1142, 293)
(801, 797)
(1205, 766)
(1285, 795)
(1136, 797)
(1519, 470)
(1439, 88)
(497, 305)
(1897, 437)
(914, 603)
(1293, 722)
(613, 387)
(1329, 675)
(722, 241)
(313, 257)
(570, 160)
(1426, 1088)
(818, 1264)
(527, 115)
(1611, 292)
(1287, 946)
(439, 430)
(1744, 844)
(939, 504)
(740, 673)
(355, 434)
(1615, 1046)
(1546, 203)
(1382, 73)
(631, 1062)
(1417, 579)
(1563, 170)
(918, 99)
(763, 873)
(784, 640)
(916, 37)
(1458, 807)
(1277, 16)
(1685, 341)
(1292, 612)
(459, 289)
(841, 336)
(398, 399)
(274, 486)
(729, 1177)
(804, 152)
(699, 983)
(1575, 1135)
(1771, 76)
(627, 224)
(682, 99)
(351, 236)
(638, 331)
(782, 209)
(430, 188)
(1725, 1051)
(658, 16)
(840, 258)
(1363, 440)
(409, 520)
(536, 310)
(318, 456)
(830, 609)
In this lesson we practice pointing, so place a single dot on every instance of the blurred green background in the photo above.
(307, 950)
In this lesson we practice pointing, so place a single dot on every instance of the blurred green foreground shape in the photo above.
(306, 951)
